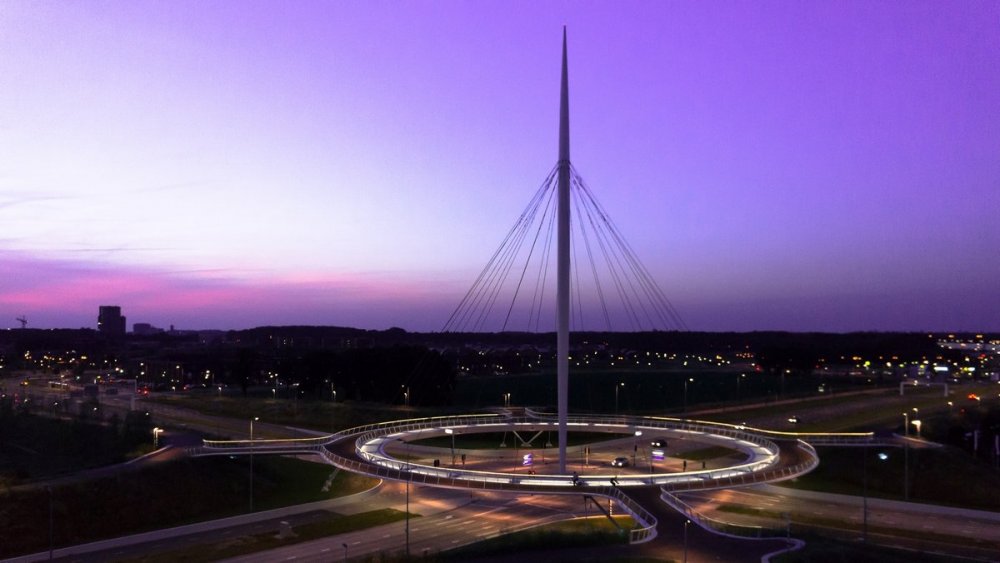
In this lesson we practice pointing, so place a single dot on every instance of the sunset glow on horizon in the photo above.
(775, 165)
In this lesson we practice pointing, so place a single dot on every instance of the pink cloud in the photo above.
(67, 293)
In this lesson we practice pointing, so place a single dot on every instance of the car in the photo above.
(619, 462)
(659, 443)
(794, 419)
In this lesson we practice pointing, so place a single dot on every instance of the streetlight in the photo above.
(620, 384)
(156, 437)
(506, 400)
(686, 522)
(451, 433)
(917, 423)
(635, 447)
(864, 493)
(408, 476)
(251, 460)
(906, 457)
(686, 381)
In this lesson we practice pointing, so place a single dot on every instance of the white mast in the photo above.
(562, 287)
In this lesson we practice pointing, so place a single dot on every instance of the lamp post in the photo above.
(686, 522)
(451, 432)
(620, 384)
(917, 423)
(864, 493)
(408, 477)
(251, 460)
(156, 437)
(506, 400)
(635, 446)
(906, 457)
(686, 381)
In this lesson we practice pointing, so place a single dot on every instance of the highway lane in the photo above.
(488, 515)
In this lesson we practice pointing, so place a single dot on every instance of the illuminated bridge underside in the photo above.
(770, 456)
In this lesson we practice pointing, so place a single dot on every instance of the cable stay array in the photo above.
(610, 289)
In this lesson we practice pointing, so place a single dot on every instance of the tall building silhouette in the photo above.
(110, 320)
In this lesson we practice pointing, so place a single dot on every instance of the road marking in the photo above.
(386, 536)
(356, 543)
(324, 550)
(454, 541)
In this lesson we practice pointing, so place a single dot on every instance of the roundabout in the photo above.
(389, 450)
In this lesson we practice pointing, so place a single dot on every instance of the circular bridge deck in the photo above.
(375, 450)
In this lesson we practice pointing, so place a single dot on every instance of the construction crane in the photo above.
(23, 320)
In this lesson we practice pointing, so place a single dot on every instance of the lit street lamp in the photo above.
(686, 381)
(620, 384)
(906, 457)
(251, 460)
(635, 447)
(917, 423)
(156, 437)
(451, 432)
(686, 522)
(408, 477)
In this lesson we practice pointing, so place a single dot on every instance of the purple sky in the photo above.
(776, 165)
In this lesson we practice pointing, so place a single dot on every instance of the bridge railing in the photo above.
(764, 476)
(743, 531)
(646, 522)
(369, 448)
(266, 443)
(645, 529)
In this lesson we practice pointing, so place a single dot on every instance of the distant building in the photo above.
(145, 329)
(110, 320)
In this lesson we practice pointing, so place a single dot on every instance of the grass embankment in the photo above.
(800, 519)
(322, 416)
(819, 549)
(588, 532)
(335, 524)
(170, 494)
(942, 475)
